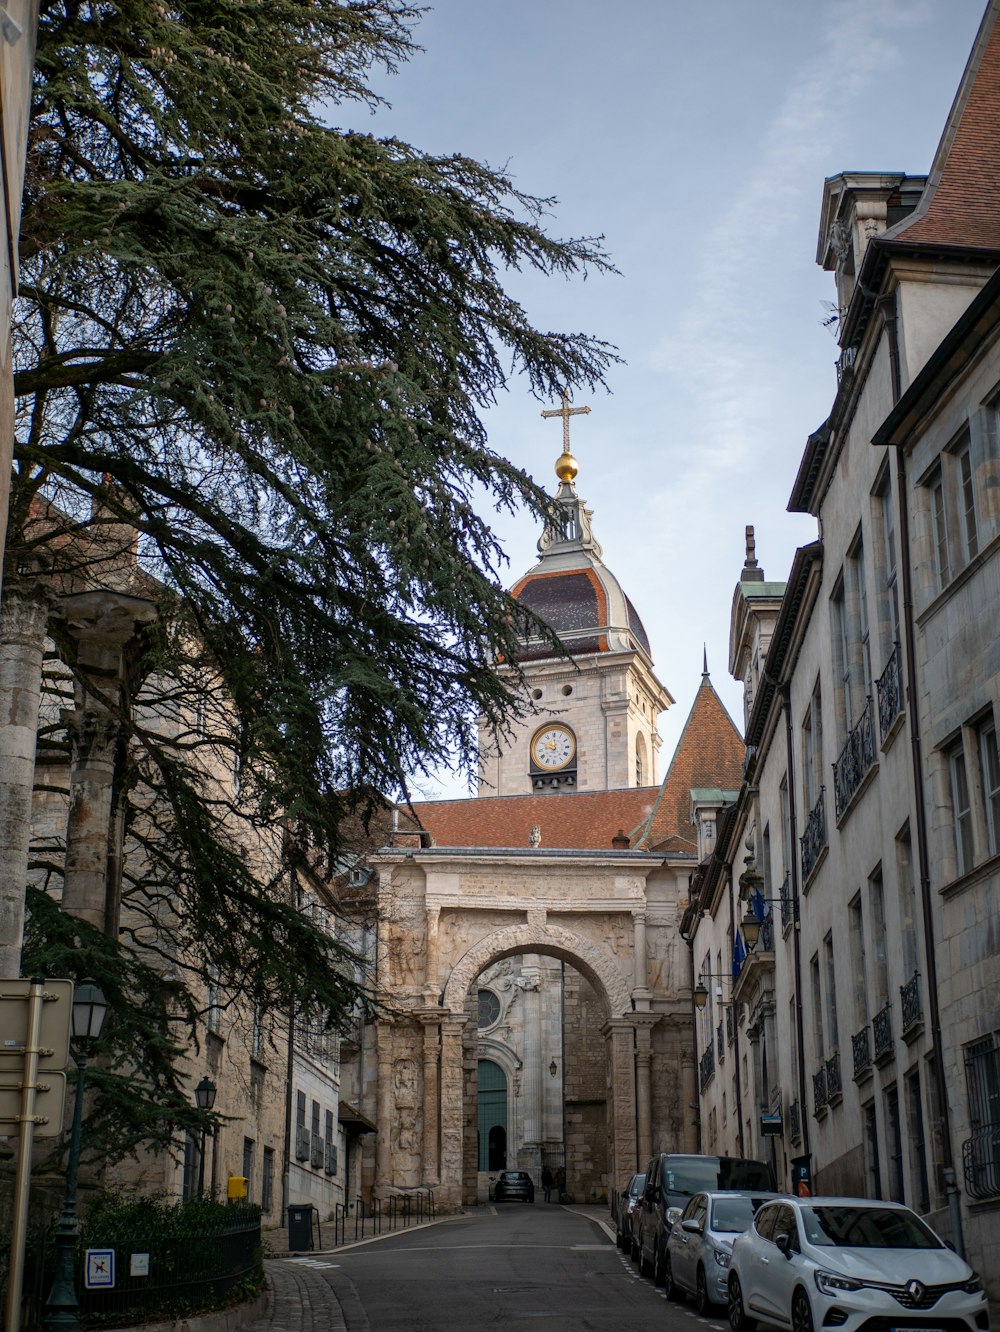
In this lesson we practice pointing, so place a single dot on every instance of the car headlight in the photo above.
(832, 1283)
(974, 1284)
(722, 1257)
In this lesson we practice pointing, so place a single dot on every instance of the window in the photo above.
(982, 1076)
(817, 1004)
(315, 1119)
(257, 1032)
(856, 922)
(766, 861)
(793, 1027)
(812, 749)
(918, 1145)
(939, 529)
(300, 1109)
(831, 993)
(786, 826)
(880, 970)
(248, 1152)
(967, 503)
(907, 903)
(894, 1135)
(267, 1181)
(960, 807)
(889, 596)
(989, 760)
(189, 1182)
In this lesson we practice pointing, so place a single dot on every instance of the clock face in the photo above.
(554, 747)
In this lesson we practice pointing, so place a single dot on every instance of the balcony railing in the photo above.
(788, 912)
(882, 1030)
(856, 758)
(981, 1162)
(729, 1023)
(719, 1047)
(795, 1121)
(833, 1083)
(813, 840)
(890, 693)
(819, 1089)
(909, 1002)
(862, 1047)
(707, 1067)
(765, 940)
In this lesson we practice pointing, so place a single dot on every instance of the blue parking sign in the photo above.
(99, 1269)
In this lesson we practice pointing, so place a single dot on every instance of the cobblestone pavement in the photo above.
(300, 1298)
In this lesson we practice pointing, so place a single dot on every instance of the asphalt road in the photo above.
(514, 1266)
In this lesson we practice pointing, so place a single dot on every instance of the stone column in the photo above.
(23, 619)
(432, 1036)
(431, 984)
(639, 928)
(644, 1089)
(452, 1109)
(532, 1084)
(102, 625)
(624, 1160)
(384, 1107)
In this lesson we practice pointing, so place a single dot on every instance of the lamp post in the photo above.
(204, 1099)
(89, 1011)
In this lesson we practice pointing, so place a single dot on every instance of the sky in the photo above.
(695, 137)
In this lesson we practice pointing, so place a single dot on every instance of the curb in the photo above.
(219, 1320)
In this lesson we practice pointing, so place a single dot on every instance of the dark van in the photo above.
(671, 1179)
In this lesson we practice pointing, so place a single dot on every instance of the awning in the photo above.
(353, 1120)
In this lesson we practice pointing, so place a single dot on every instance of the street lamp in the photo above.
(204, 1099)
(89, 1011)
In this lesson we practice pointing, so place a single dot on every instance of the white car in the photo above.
(850, 1263)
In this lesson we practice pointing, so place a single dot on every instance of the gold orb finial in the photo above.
(567, 467)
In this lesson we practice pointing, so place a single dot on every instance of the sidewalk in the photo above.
(299, 1297)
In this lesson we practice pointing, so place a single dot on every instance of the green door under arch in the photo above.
(492, 1115)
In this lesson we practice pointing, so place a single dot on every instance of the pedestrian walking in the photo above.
(547, 1182)
(560, 1183)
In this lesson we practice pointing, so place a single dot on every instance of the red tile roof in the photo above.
(584, 820)
(709, 754)
(961, 203)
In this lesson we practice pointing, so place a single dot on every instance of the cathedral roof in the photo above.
(709, 754)
(960, 205)
(573, 590)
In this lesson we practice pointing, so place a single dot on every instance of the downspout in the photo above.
(786, 703)
(736, 1025)
(888, 307)
(694, 1033)
(923, 861)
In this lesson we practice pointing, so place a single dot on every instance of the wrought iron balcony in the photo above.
(795, 1121)
(856, 758)
(707, 1067)
(833, 1083)
(729, 1023)
(890, 693)
(813, 840)
(862, 1048)
(882, 1030)
(819, 1090)
(788, 911)
(981, 1163)
(765, 940)
(909, 1002)
(719, 1047)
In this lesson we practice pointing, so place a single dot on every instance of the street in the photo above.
(504, 1267)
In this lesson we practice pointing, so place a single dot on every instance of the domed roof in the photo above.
(573, 590)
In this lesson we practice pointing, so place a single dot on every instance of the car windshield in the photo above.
(695, 1174)
(637, 1185)
(731, 1216)
(867, 1228)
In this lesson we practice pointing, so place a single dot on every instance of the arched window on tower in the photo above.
(641, 769)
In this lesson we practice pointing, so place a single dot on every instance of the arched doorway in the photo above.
(491, 1115)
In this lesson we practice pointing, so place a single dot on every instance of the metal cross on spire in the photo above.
(566, 411)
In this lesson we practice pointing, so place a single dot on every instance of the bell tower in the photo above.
(595, 711)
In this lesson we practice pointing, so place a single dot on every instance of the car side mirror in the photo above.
(784, 1243)
(691, 1225)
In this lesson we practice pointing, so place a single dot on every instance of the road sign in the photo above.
(99, 1269)
(50, 1100)
(57, 1013)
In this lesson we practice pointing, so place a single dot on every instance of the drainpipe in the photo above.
(890, 323)
(786, 703)
(923, 860)
(736, 1025)
(694, 1034)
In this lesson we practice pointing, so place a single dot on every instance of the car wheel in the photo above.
(701, 1301)
(670, 1286)
(802, 1319)
(738, 1320)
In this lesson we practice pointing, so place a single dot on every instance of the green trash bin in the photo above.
(300, 1228)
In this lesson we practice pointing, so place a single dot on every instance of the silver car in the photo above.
(700, 1244)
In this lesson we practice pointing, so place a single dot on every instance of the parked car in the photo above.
(625, 1201)
(513, 1186)
(672, 1179)
(700, 1243)
(810, 1263)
